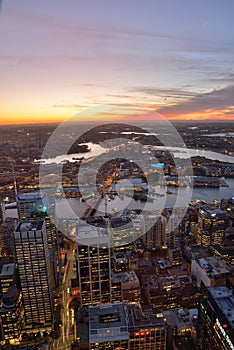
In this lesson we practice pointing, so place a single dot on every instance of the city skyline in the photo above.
(60, 58)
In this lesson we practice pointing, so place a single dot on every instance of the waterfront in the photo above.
(177, 152)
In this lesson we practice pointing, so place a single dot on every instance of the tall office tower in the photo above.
(28, 203)
(212, 223)
(123, 231)
(38, 206)
(94, 267)
(154, 237)
(230, 210)
(226, 248)
(7, 241)
(8, 277)
(12, 314)
(32, 257)
(216, 319)
(174, 234)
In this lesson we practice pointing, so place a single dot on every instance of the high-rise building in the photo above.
(216, 318)
(27, 203)
(12, 314)
(230, 209)
(124, 230)
(94, 267)
(226, 249)
(175, 231)
(38, 206)
(8, 276)
(212, 223)
(155, 236)
(6, 238)
(32, 257)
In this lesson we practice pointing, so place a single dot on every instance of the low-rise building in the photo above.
(211, 271)
(125, 287)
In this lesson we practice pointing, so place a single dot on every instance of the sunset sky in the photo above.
(172, 56)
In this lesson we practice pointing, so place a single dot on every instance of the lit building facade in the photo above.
(8, 276)
(155, 236)
(34, 271)
(6, 240)
(125, 286)
(212, 223)
(94, 267)
(12, 314)
(38, 206)
(216, 318)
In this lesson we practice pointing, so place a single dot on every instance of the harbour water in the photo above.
(176, 195)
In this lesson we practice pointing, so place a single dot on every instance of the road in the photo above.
(67, 315)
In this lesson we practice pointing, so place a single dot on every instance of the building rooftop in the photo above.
(125, 277)
(121, 222)
(213, 266)
(7, 270)
(89, 234)
(29, 226)
(223, 296)
(198, 251)
(212, 212)
(108, 322)
(141, 319)
(31, 196)
(164, 263)
(181, 318)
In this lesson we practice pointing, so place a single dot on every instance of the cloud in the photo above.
(166, 93)
(72, 105)
(215, 100)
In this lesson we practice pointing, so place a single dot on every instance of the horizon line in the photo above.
(115, 121)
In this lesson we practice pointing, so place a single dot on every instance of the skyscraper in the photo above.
(12, 314)
(32, 257)
(38, 206)
(94, 268)
(212, 223)
(155, 232)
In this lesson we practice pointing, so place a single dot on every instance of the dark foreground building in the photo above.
(216, 318)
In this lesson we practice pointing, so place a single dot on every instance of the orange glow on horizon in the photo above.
(203, 115)
(120, 114)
